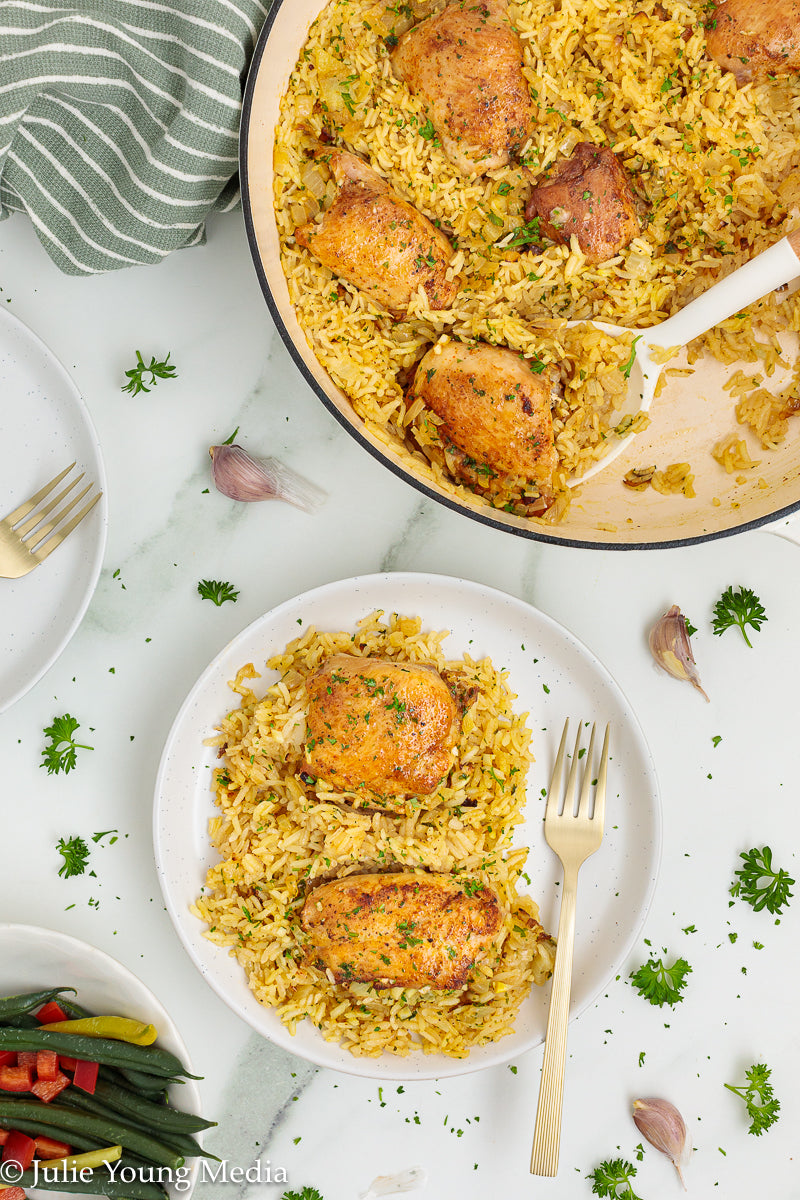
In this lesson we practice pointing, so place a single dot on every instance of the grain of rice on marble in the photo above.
(275, 834)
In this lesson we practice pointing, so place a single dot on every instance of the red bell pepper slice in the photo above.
(14, 1193)
(85, 1076)
(20, 1149)
(5, 1134)
(46, 1064)
(66, 1063)
(15, 1079)
(8, 1058)
(47, 1089)
(50, 1013)
(26, 1058)
(47, 1147)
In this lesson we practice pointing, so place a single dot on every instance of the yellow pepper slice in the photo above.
(122, 1028)
(91, 1159)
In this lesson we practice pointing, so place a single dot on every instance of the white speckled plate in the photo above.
(32, 959)
(554, 676)
(44, 426)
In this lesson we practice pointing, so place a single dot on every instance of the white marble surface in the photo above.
(147, 636)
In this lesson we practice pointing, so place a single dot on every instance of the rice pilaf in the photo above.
(277, 835)
(713, 165)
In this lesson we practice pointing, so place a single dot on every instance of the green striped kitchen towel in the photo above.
(119, 122)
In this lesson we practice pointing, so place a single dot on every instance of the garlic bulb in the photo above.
(672, 650)
(247, 479)
(664, 1127)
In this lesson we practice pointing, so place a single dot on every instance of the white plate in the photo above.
(32, 959)
(44, 426)
(554, 675)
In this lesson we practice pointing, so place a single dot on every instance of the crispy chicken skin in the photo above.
(754, 39)
(404, 930)
(380, 726)
(378, 242)
(495, 412)
(589, 195)
(466, 64)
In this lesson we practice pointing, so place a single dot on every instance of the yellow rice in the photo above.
(276, 833)
(715, 166)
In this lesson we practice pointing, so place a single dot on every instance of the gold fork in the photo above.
(24, 543)
(573, 837)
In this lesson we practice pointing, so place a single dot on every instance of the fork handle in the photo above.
(547, 1131)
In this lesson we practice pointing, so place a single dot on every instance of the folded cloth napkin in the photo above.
(119, 122)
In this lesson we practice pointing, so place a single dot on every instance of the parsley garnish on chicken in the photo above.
(613, 1178)
(75, 853)
(62, 752)
(659, 983)
(738, 607)
(155, 370)
(762, 1107)
(216, 590)
(759, 884)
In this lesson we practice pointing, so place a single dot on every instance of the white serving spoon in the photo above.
(770, 269)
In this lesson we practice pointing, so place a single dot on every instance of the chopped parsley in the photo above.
(659, 983)
(219, 592)
(759, 884)
(154, 371)
(757, 1093)
(740, 607)
(62, 752)
(75, 853)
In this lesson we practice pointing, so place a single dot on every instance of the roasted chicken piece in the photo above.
(378, 242)
(589, 195)
(404, 930)
(754, 39)
(466, 64)
(496, 414)
(379, 726)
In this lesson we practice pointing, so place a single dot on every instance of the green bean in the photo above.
(181, 1142)
(74, 1141)
(108, 1130)
(142, 1081)
(99, 1185)
(13, 1006)
(155, 1089)
(113, 1053)
(75, 1011)
(159, 1116)
(23, 1021)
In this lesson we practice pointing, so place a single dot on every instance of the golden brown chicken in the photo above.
(495, 412)
(588, 195)
(754, 39)
(404, 930)
(466, 64)
(378, 242)
(380, 727)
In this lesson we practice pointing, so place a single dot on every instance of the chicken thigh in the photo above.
(379, 242)
(496, 414)
(380, 726)
(754, 39)
(466, 64)
(588, 195)
(404, 930)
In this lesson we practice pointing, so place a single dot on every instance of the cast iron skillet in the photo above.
(691, 414)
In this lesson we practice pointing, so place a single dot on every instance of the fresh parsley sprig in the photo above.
(739, 606)
(759, 884)
(62, 752)
(613, 1178)
(216, 590)
(154, 371)
(306, 1193)
(659, 983)
(75, 853)
(757, 1093)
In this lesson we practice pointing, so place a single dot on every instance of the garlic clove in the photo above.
(672, 650)
(240, 477)
(664, 1127)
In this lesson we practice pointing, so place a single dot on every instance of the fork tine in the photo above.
(554, 794)
(38, 515)
(572, 779)
(39, 536)
(586, 786)
(600, 789)
(27, 505)
(58, 537)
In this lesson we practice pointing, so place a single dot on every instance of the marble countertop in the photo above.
(727, 769)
